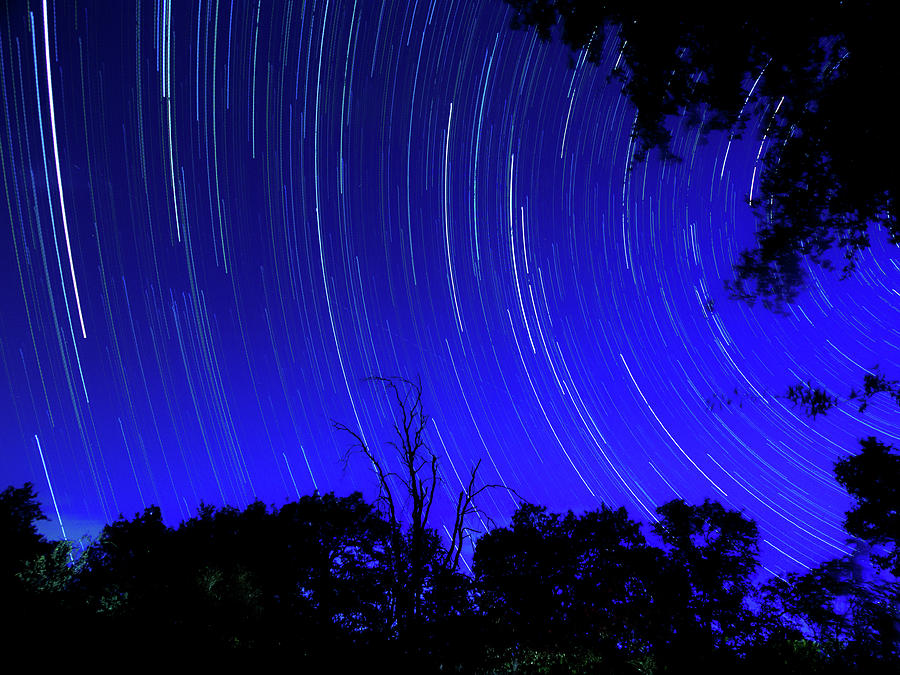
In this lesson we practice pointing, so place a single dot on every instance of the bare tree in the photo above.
(413, 554)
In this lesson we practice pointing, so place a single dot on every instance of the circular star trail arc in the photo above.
(222, 216)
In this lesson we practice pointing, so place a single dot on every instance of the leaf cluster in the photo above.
(809, 73)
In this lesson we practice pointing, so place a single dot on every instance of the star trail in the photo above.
(220, 217)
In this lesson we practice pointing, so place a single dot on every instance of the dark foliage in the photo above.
(813, 72)
(314, 581)
(19, 513)
(704, 583)
(555, 586)
(306, 577)
(832, 618)
(872, 478)
(814, 400)
(818, 401)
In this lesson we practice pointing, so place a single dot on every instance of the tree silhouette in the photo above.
(872, 478)
(314, 581)
(308, 578)
(703, 586)
(308, 575)
(832, 618)
(19, 513)
(811, 72)
(424, 576)
(566, 591)
(20, 543)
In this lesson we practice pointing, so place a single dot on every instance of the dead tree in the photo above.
(413, 487)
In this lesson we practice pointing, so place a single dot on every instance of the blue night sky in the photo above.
(218, 217)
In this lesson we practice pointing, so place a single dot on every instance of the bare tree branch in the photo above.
(412, 553)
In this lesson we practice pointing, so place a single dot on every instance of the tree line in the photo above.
(343, 583)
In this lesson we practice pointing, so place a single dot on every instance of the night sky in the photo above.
(219, 217)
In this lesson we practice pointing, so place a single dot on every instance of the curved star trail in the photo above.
(222, 216)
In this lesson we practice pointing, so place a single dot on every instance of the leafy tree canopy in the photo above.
(19, 537)
(705, 582)
(815, 73)
(872, 478)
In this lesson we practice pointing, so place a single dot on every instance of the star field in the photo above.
(219, 217)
